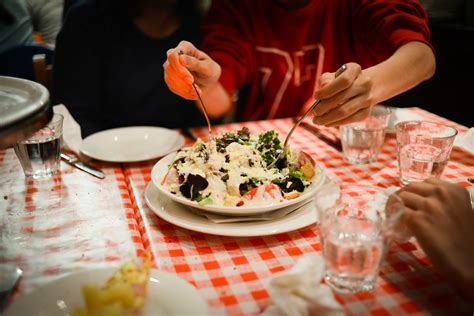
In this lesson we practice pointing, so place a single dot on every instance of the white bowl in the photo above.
(161, 168)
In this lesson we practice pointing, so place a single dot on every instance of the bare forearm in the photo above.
(411, 64)
(218, 102)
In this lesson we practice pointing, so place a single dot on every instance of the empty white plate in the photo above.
(131, 144)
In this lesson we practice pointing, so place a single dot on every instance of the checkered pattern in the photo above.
(232, 273)
(50, 228)
(53, 227)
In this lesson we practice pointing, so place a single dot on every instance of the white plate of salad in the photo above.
(231, 175)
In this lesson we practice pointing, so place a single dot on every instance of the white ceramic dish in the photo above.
(400, 115)
(180, 215)
(166, 294)
(161, 168)
(132, 144)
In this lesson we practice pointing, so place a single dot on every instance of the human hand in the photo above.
(440, 216)
(185, 65)
(344, 99)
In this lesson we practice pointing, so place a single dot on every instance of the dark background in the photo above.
(450, 93)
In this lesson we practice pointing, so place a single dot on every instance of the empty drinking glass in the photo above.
(39, 155)
(423, 149)
(355, 232)
(362, 141)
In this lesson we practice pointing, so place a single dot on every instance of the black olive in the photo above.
(290, 184)
(225, 177)
(192, 186)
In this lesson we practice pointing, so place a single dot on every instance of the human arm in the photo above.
(396, 34)
(440, 216)
(226, 56)
(186, 65)
(77, 69)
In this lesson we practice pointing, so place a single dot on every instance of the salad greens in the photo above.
(238, 164)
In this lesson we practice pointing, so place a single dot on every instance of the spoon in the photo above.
(297, 123)
(9, 277)
(203, 107)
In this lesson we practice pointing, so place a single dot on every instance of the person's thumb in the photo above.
(192, 64)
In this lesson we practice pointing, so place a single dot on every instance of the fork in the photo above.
(297, 123)
(203, 107)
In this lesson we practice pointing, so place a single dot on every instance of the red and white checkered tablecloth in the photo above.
(53, 227)
(74, 221)
(232, 273)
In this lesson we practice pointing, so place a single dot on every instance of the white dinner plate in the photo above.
(165, 296)
(161, 168)
(131, 144)
(179, 215)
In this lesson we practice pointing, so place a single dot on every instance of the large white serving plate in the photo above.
(161, 168)
(166, 294)
(132, 144)
(180, 215)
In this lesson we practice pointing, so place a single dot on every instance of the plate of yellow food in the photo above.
(130, 290)
(238, 173)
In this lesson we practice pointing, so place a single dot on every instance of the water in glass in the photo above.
(353, 253)
(361, 145)
(419, 162)
(423, 149)
(39, 157)
(356, 225)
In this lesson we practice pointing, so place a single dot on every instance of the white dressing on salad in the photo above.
(221, 173)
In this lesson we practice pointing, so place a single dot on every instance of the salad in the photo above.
(239, 169)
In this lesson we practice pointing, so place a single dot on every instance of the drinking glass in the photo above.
(423, 149)
(362, 141)
(355, 232)
(39, 154)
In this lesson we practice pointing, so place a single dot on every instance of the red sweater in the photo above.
(274, 57)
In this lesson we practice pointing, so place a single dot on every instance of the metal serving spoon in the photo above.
(203, 107)
(297, 123)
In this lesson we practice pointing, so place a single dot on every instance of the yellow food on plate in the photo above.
(123, 294)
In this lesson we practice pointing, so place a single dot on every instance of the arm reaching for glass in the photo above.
(440, 216)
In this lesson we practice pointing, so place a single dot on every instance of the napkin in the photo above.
(72, 138)
(299, 291)
(465, 141)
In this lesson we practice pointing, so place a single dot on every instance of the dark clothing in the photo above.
(109, 74)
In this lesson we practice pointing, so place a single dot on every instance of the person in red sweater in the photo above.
(278, 55)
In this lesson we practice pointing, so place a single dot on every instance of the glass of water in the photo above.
(423, 149)
(362, 141)
(355, 232)
(39, 154)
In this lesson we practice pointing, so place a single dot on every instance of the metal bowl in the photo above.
(24, 108)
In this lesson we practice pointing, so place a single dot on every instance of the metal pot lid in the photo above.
(19, 99)
(24, 108)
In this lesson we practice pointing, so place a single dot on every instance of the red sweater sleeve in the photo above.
(385, 25)
(227, 42)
